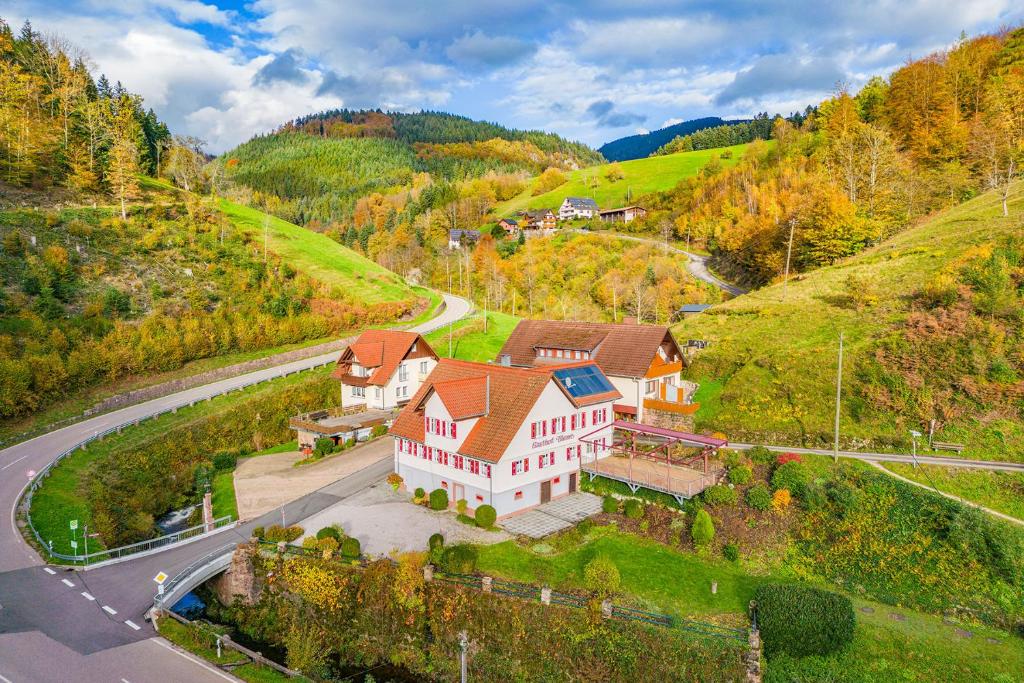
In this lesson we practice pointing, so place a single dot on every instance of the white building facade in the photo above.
(577, 207)
(383, 369)
(510, 461)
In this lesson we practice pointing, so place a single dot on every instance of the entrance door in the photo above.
(459, 491)
(545, 491)
(572, 483)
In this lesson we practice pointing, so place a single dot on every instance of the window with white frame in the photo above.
(377, 392)
(403, 373)
(652, 386)
(423, 367)
(359, 392)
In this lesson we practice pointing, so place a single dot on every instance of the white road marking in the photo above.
(132, 624)
(49, 571)
(125, 680)
(109, 610)
(192, 659)
(87, 596)
(4, 680)
(67, 583)
(12, 462)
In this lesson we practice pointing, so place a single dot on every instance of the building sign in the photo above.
(559, 438)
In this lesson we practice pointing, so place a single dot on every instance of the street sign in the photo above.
(74, 524)
(74, 545)
(160, 578)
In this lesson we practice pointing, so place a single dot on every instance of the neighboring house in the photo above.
(643, 362)
(502, 436)
(510, 226)
(577, 207)
(534, 220)
(689, 310)
(460, 238)
(382, 369)
(626, 214)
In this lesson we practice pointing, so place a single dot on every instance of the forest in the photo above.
(862, 166)
(760, 128)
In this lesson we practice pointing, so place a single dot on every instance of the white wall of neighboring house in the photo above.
(396, 391)
(507, 492)
(566, 212)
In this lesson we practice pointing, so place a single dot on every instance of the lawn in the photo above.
(223, 488)
(641, 176)
(201, 641)
(1001, 491)
(61, 498)
(320, 257)
(470, 342)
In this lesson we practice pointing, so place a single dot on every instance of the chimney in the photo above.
(505, 360)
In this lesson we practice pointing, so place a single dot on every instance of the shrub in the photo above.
(438, 499)
(486, 516)
(330, 545)
(719, 494)
(731, 552)
(310, 542)
(609, 504)
(814, 497)
(801, 620)
(601, 576)
(633, 509)
(350, 547)
(793, 477)
(703, 530)
(731, 458)
(276, 534)
(378, 430)
(842, 495)
(436, 541)
(741, 474)
(788, 457)
(781, 500)
(761, 455)
(419, 494)
(329, 532)
(461, 505)
(258, 532)
(459, 559)
(324, 446)
(225, 460)
(759, 497)
(395, 481)
(584, 527)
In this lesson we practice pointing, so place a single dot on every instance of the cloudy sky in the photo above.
(594, 71)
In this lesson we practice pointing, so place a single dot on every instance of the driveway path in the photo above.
(49, 630)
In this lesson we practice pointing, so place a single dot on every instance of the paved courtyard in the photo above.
(548, 518)
(386, 522)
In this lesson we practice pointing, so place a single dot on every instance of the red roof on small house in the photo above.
(381, 351)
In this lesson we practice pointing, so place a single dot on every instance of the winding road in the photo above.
(58, 624)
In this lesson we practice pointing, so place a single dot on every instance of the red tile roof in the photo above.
(512, 394)
(379, 350)
(619, 350)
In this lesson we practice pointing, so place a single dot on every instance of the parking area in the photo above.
(554, 516)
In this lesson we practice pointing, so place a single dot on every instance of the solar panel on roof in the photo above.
(583, 381)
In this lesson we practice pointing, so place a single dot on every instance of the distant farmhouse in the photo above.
(510, 226)
(626, 214)
(643, 362)
(537, 221)
(461, 238)
(577, 207)
(507, 437)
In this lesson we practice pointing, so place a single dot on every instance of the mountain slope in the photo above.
(932, 331)
(639, 146)
(639, 177)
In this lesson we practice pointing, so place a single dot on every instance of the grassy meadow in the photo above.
(640, 176)
(470, 342)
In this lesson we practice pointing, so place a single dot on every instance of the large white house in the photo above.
(577, 207)
(503, 436)
(383, 369)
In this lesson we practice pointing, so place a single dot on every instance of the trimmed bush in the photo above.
(419, 494)
(601, 576)
(761, 456)
(610, 505)
(486, 516)
(329, 532)
(276, 534)
(703, 530)
(438, 499)
(720, 494)
(395, 480)
(741, 474)
(459, 559)
(633, 509)
(225, 460)
(350, 547)
(436, 541)
(258, 532)
(461, 505)
(759, 497)
(793, 477)
(802, 621)
(731, 552)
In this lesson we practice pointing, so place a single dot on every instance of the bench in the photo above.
(943, 446)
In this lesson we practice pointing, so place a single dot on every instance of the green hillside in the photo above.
(640, 176)
(932, 330)
(320, 257)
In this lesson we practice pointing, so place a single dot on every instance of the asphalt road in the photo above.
(992, 465)
(49, 630)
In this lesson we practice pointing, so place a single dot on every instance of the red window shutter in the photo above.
(453, 430)
(583, 417)
(533, 430)
(572, 422)
(563, 423)
(488, 471)
(544, 427)
(526, 465)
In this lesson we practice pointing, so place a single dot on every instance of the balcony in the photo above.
(671, 399)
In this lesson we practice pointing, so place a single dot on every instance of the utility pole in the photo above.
(487, 302)
(513, 300)
(914, 436)
(463, 646)
(449, 338)
(789, 252)
(839, 394)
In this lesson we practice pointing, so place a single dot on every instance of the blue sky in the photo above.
(225, 70)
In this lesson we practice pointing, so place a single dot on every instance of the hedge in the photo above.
(350, 547)
(329, 532)
(459, 559)
(800, 620)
